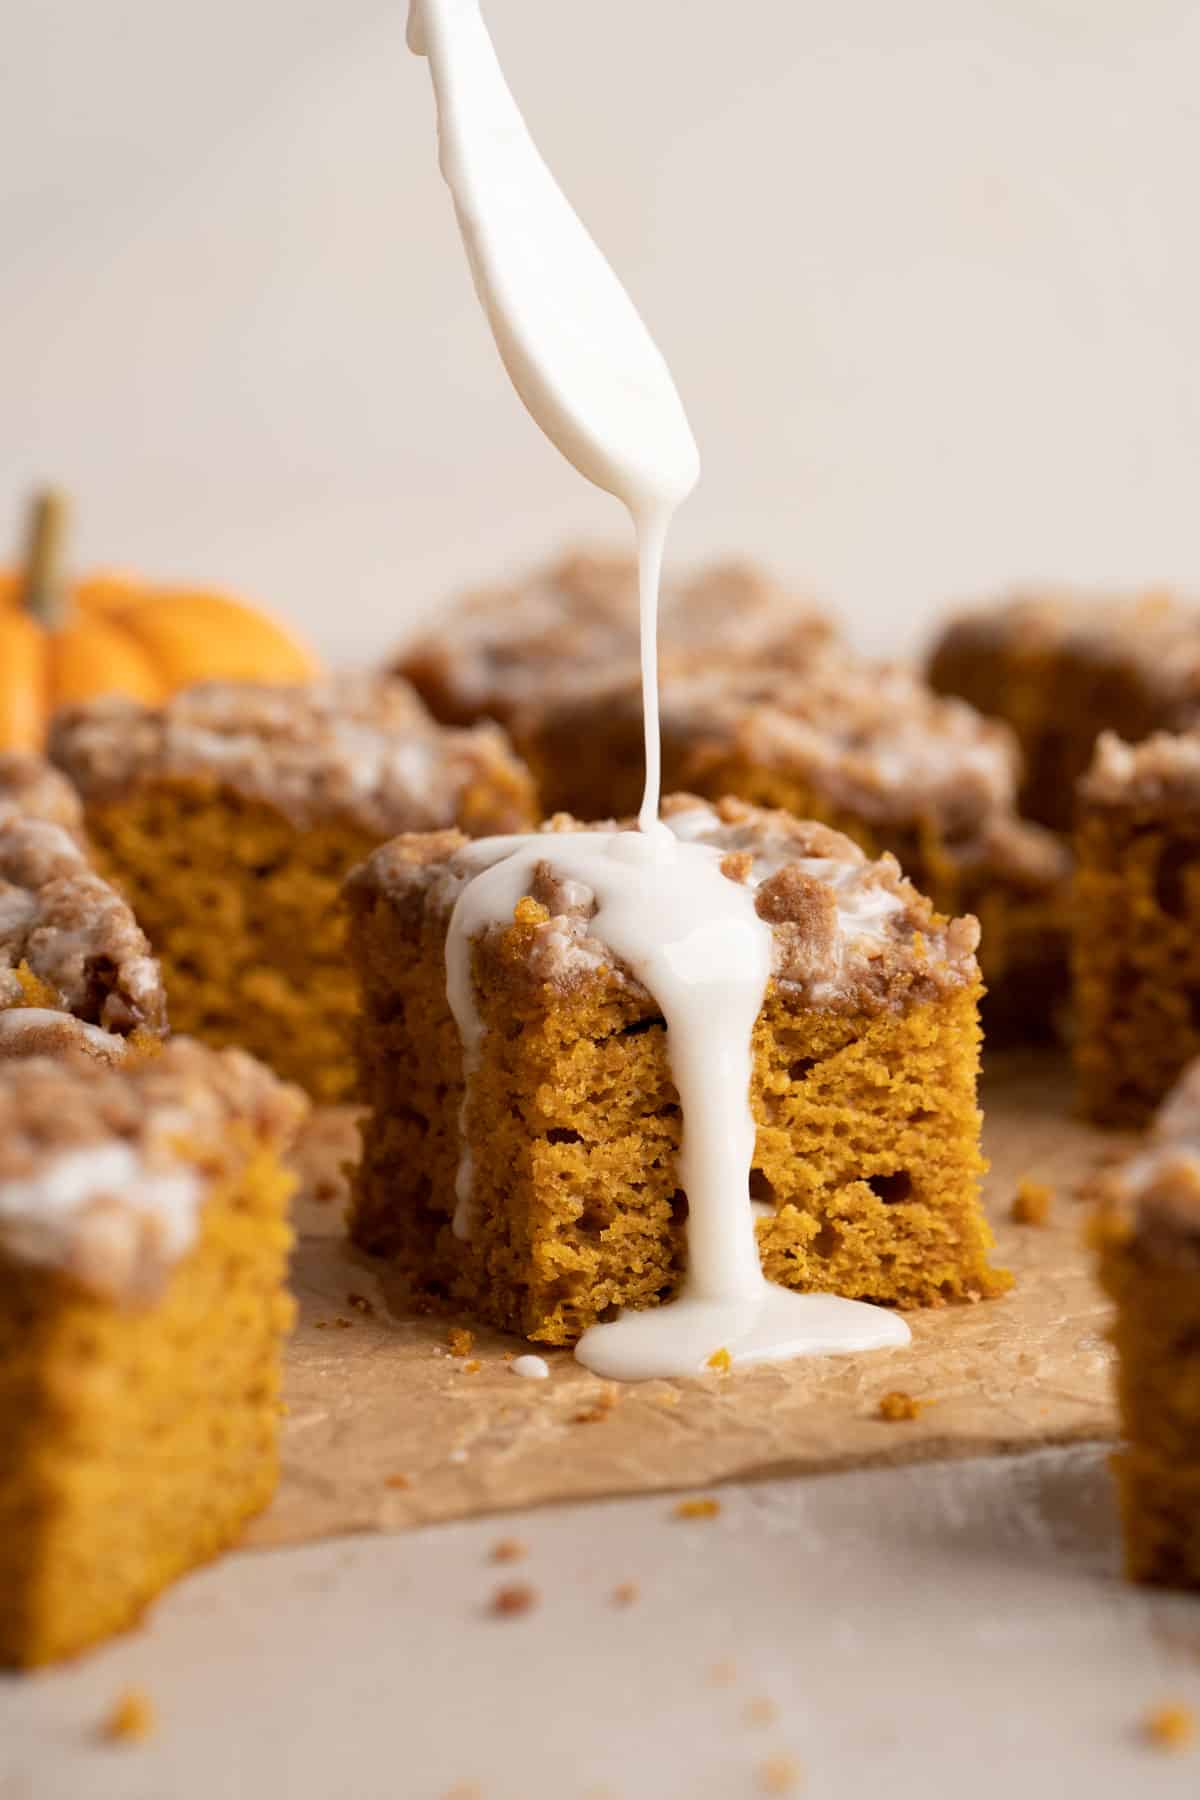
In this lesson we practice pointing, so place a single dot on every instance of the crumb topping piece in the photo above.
(1154, 630)
(1153, 1199)
(102, 1168)
(848, 932)
(31, 788)
(874, 741)
(511, 1601)
(1163, 769)
(504, 647)
(360, 746)
(68, 941)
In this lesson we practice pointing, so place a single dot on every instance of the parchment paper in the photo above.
(387, 1429)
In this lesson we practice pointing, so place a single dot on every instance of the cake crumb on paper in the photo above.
(1170, 1727)
(473, 1367)
(704, 1507)
(899, 1405)
(723, 1674)
(601, 1407)
(721, 1361)
(625, 1593)
(459, 1340)
(510, 1602)
(779, 1775)
(397, 1481)
(1032, 1202)
(131, 1720)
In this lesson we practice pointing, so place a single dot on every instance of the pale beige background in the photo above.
(927, 273)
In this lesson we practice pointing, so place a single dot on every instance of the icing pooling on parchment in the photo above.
(593, 379)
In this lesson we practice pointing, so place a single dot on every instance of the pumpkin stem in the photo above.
(44, 587)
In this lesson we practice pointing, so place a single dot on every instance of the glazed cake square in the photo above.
(1148, 1234)
(230, 817)
(143, 1250)
(564, 1140)
(1136, 924)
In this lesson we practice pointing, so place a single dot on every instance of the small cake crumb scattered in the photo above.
(761, 1711)
(459, 1340)
(899, 1405)
(599, 1410)
(625, 1593)
(473, 1367)
(1171, 1727)
(721, 1361)
(1032, 1202)
(703, 1508)
(723, 1674)
(397, 1481)
(131, 1720)
(464, 1790)
(510, 1602)
(509, 1550)
(779, 1775)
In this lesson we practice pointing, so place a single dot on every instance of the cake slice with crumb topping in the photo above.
(143, 1248)
(566, 1134)
(230, 816)
(1147, 1231)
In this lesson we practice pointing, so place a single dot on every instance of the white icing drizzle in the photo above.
(588, 371)
(533, 1368)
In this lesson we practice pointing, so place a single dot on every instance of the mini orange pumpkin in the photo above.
(110, 634)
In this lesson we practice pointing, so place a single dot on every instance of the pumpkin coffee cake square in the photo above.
(143, 1249)
(1136, 923)
(543, 1188)
(1148, 1234)
(872, 752)
(1062, 667)
(230, 816)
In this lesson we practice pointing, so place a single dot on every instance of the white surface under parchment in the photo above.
(921, 1632)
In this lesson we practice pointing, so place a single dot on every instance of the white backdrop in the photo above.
(927, 275)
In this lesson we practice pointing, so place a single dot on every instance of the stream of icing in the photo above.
(588, 371)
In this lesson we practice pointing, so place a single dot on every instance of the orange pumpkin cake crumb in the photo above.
(1032, 1202)
(1170, 1727)
(132, 1718)
(898, 1406)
